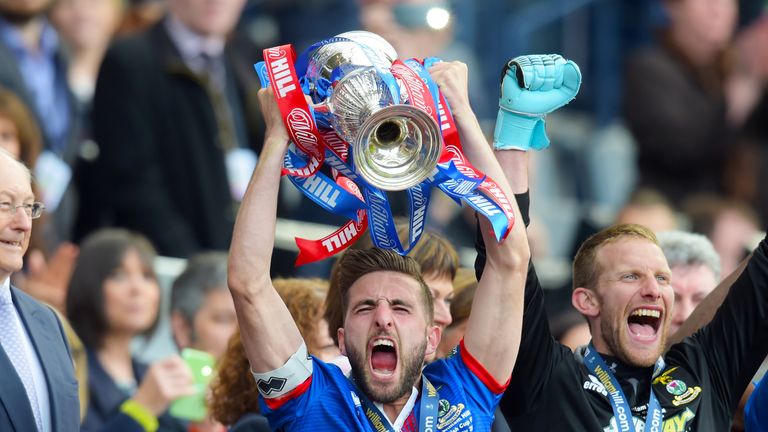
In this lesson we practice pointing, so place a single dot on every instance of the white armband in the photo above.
(292, 374)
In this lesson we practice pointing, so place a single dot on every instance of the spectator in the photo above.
(461, 306)
(202, 312)
(649, 208)
(113, 297)
(175, 119)
(86, 29)
(234, 398)
(45, 279)
(730, 225)
(678, 96)
(33, 66)
(39, 390)
(695, 271)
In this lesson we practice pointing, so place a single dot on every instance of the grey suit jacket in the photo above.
(49, 341)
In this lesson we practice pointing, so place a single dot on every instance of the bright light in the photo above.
(206, 371)
(438, 18)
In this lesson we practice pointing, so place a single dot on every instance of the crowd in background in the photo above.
(140, 122)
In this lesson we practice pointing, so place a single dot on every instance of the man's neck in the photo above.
(392, 410)
(31, 32)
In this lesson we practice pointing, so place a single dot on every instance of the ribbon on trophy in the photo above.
(322, 134)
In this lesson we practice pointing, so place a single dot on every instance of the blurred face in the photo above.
(208, 17)
(131, 296)
(15, 189)
(325, 349)
(442, 295)
(690, 284)
(635, 300)
(386, 335)
(707, 22)
(657, 217)
(9, 137)
(215, 322)
(22, 11)
(450, 338)
(86, 23)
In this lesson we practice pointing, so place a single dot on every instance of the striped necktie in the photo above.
(11, 337)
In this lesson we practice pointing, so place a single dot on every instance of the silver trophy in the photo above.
(394, 145)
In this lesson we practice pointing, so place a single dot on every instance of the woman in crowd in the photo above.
(234, 396)
(113, 297)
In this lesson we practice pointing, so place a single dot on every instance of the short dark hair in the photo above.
(100, 254)
(355, 264)
(205, 272)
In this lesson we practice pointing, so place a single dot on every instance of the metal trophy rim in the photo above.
(425, 166)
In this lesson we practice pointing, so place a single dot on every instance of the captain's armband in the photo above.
(291, 375)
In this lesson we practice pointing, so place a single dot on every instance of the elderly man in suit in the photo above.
(38, 391)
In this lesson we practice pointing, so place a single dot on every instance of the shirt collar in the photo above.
(190, 43)
(5, 291)
(404, 413)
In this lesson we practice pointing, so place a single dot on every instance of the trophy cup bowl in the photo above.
(347, 55)
(394, 146)
(397, 147)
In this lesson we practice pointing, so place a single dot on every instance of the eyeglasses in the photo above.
(33, 210)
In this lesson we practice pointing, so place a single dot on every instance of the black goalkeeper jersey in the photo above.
(699, 389)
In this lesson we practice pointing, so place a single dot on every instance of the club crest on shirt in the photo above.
(676, 387)
(687, 397)
(452, 415)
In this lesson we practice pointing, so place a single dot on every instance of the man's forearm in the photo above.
(269, 335)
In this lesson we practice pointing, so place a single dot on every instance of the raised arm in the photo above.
(268, 332)
(498, 305)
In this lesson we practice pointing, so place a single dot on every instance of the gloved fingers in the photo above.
(571, 77)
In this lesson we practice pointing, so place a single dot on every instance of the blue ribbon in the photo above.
(622, 412)
(324, 191)
(333, 198)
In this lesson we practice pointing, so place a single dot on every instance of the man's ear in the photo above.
(340, 338)
(586, 302)
(434, 333)
(182, 331)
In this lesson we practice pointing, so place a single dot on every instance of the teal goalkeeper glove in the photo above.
(531, 87)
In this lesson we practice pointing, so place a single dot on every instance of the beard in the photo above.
(412, 362)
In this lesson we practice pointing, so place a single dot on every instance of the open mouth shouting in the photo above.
(384, 356)
(644, 323)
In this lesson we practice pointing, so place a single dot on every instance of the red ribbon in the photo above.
(294, 109)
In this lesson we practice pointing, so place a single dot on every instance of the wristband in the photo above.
(519, 132)
(140, 414)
